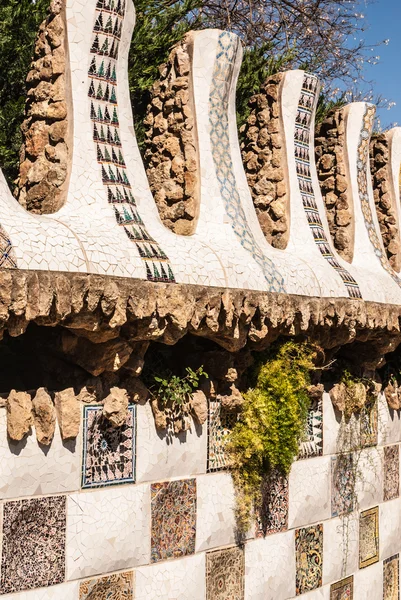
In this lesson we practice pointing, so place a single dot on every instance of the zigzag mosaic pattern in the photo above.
(302, 159)
(7, 254)
(104, 115)
(362, 162)
(220, 139)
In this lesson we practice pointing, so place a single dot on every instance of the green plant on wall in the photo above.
(272, 423)
(173, 390)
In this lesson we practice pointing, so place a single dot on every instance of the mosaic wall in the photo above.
(8, 259)
(309, 558)
(225, 574)
(343, 480)
(368, 537)
(112, 587)
(313, 444)
(391, 476)
(272, 515)
(220, 423)
(342, 590)
(391, 578)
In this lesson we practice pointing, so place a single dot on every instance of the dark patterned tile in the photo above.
(391, 578)
(343, 479)
(33, 548)
(173, 519)
(272, 515)
(225, 572)
(369, 423)
(391, 481)
(312, 445)
(369, 537)
(309, 558)
(342, 590)
(220, 424)
(108, 452)
(119, 586)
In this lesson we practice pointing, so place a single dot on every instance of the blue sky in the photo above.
(384, 19)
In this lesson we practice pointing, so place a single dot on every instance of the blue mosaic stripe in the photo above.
(307, 100)
(8, 259)
(220, 140)
(104, 115)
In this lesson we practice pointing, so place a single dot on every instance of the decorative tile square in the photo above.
(391, 578)
(173, 519)
(272, 515)
(343, 479)
(220, 424)
(119, 586)
(108, 452)
(342, 590)
(312, 445)
(309, 558)
(33, 548)
(225, 574)
(368, 537)
(391, 480)
(369, 424)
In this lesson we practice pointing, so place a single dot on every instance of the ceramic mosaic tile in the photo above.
(272, 516)
(33, 548)
(313, 444)
(173, 519)
(370, 424)
(220, 424)
(104, 114)
(228, 45)
(391, 480)
(369, 537)
(391, 578)
(225, 572)
(343, 480)
(7, 253)
(303, 123)
(108, 452)
(309, 558)
(342, 590)
(119, 586)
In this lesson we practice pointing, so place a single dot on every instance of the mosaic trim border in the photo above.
(345, 586)
(362, 178)
(104, 115)
(312, 445)
(372, 513)
(119, 442)
(391, 588)
(228, 45)
(306, 104)
(220, 424)
(8, 259)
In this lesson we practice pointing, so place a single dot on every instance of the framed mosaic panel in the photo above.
(108, 456)
(309, 558)
(220, 424)
(391, 578)
(342, 590)
(369, 423)
(225, 574)
(173, 508)
(119, 586)
(391, 479)
(312, 445)
(369, 537)
(272, 515)
(33, 547)
(342, 485)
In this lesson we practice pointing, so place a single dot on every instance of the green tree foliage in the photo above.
(19, 24)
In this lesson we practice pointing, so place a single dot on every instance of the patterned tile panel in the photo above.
(272, 516)
(342, 590)
(220, 139)
(173, 519)
(119, 586)
(33, 547)
(220, 424)
(309, 558)
(391, 480)
(391, 578)
(108, 452)
(313, 444)
(343, 479)
(369, 537)
(307, 101)
(225, 573)
(370, 424)
(8, 260)
(362, 174)
(106, 135)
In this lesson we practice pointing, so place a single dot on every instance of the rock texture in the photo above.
(19, 415)
(199, 406)
(45, 150)
(68, 413)
(44, 416)
(331, 162)
(171, 157)
(115, 407)
(263, 155)
(385, 200)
